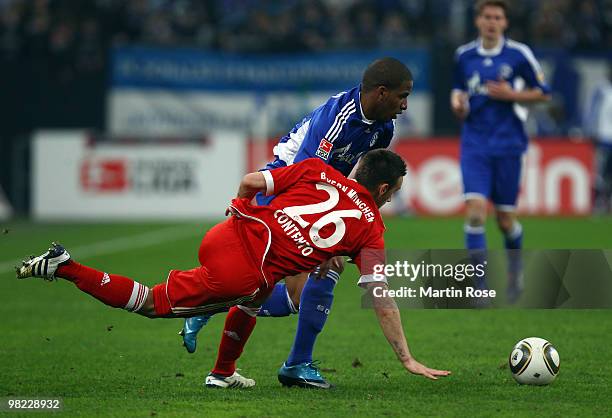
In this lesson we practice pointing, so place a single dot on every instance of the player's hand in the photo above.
(459, 104)
(500, 90)
(335, 263)
(415, 367)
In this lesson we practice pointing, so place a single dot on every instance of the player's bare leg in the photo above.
(513, 237)
(295, 285)
(476, 211)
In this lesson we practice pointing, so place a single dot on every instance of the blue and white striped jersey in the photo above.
(495, 127)
(337, 132)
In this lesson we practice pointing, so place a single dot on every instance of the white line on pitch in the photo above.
(115, 245)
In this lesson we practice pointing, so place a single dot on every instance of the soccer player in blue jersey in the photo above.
(339, 131)
(493, 78)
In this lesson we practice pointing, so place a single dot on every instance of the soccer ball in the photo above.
(534, 361)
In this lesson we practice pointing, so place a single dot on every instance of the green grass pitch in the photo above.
(58, 342)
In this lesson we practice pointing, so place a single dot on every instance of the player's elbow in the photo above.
(253, 181)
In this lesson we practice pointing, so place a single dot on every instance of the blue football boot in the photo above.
(190, 331)
(304, 375)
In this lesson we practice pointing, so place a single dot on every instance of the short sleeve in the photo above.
(531, 71)
(325, 129)
(281, 179)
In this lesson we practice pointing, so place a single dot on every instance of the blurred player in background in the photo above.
(338, 132)
(317, 214)
(598, 124)
(493, 78)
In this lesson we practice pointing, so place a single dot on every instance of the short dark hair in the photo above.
(388, 72)
(378, 167)
(481, 4)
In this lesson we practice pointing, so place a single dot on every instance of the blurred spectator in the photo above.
(549, 25)
(394, 32)
(589, 27)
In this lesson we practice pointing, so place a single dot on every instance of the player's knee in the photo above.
(475, 218)
(505, 221)
(476, 212)
(251, 311)
(148, 308)
(295, 301)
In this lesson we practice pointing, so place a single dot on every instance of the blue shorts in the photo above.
(492, 177)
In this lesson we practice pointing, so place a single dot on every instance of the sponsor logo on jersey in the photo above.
(324, 149)
(374, 139)
(343, 154)
(540, 77)
(474, 85)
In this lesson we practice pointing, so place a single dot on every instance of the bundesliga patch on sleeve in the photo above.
(540, 77)
(324, 149)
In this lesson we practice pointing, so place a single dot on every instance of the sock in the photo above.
(279, 303)
(110, 289)
(476, 244)
(513, 241)
(239, 324)
(315, 304)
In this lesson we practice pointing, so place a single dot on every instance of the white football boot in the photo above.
(234, 381)
(44, 265)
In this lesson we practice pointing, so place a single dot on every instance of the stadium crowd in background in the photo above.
(73, 26)
(67, 38)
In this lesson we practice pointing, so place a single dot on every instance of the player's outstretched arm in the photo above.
(391, 324)
(502, 90)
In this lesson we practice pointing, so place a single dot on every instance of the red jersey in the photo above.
(317, 214)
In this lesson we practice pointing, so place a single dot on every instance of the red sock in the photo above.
(111, 289)
(236, 332)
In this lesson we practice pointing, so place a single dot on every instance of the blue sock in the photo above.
(513, 242)
(476, 243)
(315, 303)
(279, 303)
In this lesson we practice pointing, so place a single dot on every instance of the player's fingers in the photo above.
(429, 375)
(439, 372)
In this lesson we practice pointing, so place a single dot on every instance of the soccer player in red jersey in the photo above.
(317, 214)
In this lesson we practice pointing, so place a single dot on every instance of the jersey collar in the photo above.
(493, 51)
(363, 118)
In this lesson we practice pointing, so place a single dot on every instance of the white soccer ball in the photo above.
(534, 361)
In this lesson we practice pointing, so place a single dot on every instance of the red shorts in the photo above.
(227, 276)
